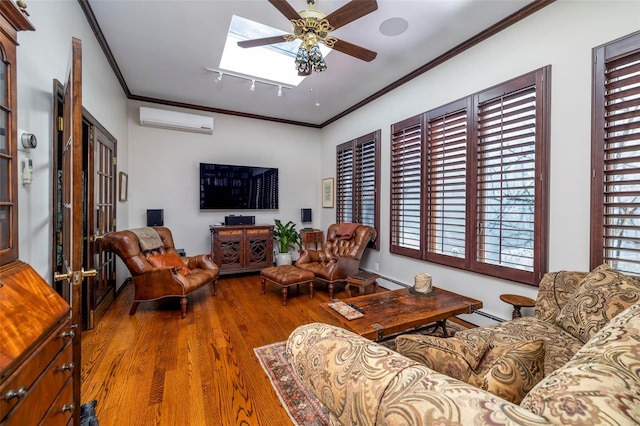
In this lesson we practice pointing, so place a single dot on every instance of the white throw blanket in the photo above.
(148, 237)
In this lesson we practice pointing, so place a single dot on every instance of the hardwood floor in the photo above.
(155, 368)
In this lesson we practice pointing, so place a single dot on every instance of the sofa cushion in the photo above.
(560, 346)
(554, 291)
(600, 384)
(454, 357)
(515, 370)
(512, 370)
(603, 294)
(167, 260)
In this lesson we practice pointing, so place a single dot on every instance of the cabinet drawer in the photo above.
(230, 232)
(40, 396)
(33, 367)
(263, 231)
(62, 408)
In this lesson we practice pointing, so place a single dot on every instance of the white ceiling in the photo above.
(162, 47)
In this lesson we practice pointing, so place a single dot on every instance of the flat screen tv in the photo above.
(229, 187)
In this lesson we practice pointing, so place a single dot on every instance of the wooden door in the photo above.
(101, 219)
(71, 183)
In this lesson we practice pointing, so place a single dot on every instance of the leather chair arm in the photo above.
(159, 283)
(201, 261)
(344, 267)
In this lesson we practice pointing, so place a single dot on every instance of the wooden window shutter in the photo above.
(406, 187)
(616, 156)
(367, 171)
(344, 182)
(446, 182)
(506, 187)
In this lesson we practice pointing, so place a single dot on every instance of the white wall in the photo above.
(563, 35)
(43, 55)
(164, 172)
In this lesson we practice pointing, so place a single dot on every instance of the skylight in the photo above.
(274, 62)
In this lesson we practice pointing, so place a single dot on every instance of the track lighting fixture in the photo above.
(248, 78)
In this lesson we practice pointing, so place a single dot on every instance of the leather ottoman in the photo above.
(286, 276)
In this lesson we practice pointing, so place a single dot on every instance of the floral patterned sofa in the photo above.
(581, 364)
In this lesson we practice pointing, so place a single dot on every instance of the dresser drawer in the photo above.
(39, 396)
(23, 378)
(62, 408)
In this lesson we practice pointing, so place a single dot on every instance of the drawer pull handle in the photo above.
(66, 408)
(20, 393)
(67, 367)
(69, 334)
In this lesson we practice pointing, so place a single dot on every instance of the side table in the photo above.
(518, 302)
(362, 280)
(313, 236)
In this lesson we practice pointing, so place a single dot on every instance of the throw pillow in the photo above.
(167, 260)
(454, 357)
(603, 294)
(515, 370)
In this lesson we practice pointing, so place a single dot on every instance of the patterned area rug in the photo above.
(301, 405)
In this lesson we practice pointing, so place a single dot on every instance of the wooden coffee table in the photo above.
(397, 311)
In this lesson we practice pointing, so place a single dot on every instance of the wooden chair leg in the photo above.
(213, 287)
(183, 306)
(133, 308)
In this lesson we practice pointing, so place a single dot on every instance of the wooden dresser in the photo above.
(242, 248)
(36, 359)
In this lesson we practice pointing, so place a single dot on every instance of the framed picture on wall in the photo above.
(327, 192)
(123, 187)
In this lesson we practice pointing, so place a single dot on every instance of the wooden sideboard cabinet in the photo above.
(242, 248)
(36, 357)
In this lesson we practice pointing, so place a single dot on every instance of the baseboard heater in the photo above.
(478, 312)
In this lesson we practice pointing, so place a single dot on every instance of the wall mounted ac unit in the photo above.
(174, 120)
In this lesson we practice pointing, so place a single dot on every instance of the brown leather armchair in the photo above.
(160, 272)
(340, 257)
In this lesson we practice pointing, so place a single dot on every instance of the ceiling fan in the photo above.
(312, 26)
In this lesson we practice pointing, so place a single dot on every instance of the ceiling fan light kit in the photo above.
(312, 26)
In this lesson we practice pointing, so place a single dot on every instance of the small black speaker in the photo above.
(305, 215)
(239, 220)
(155, 217)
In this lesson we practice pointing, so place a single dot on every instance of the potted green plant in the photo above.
(286, 237)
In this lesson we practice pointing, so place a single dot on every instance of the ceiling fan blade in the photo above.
(285, 8)
(351, 11)
(355, 50)
(262, 41)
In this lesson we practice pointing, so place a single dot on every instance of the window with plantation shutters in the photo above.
(357, 177)
(446, 182)
(506, 180)
(344, 183)
(406, 187)
(469, 185)
(615, 233)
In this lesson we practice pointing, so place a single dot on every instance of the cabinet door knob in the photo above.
(66, 408)
(67, 367)
(20, 393)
